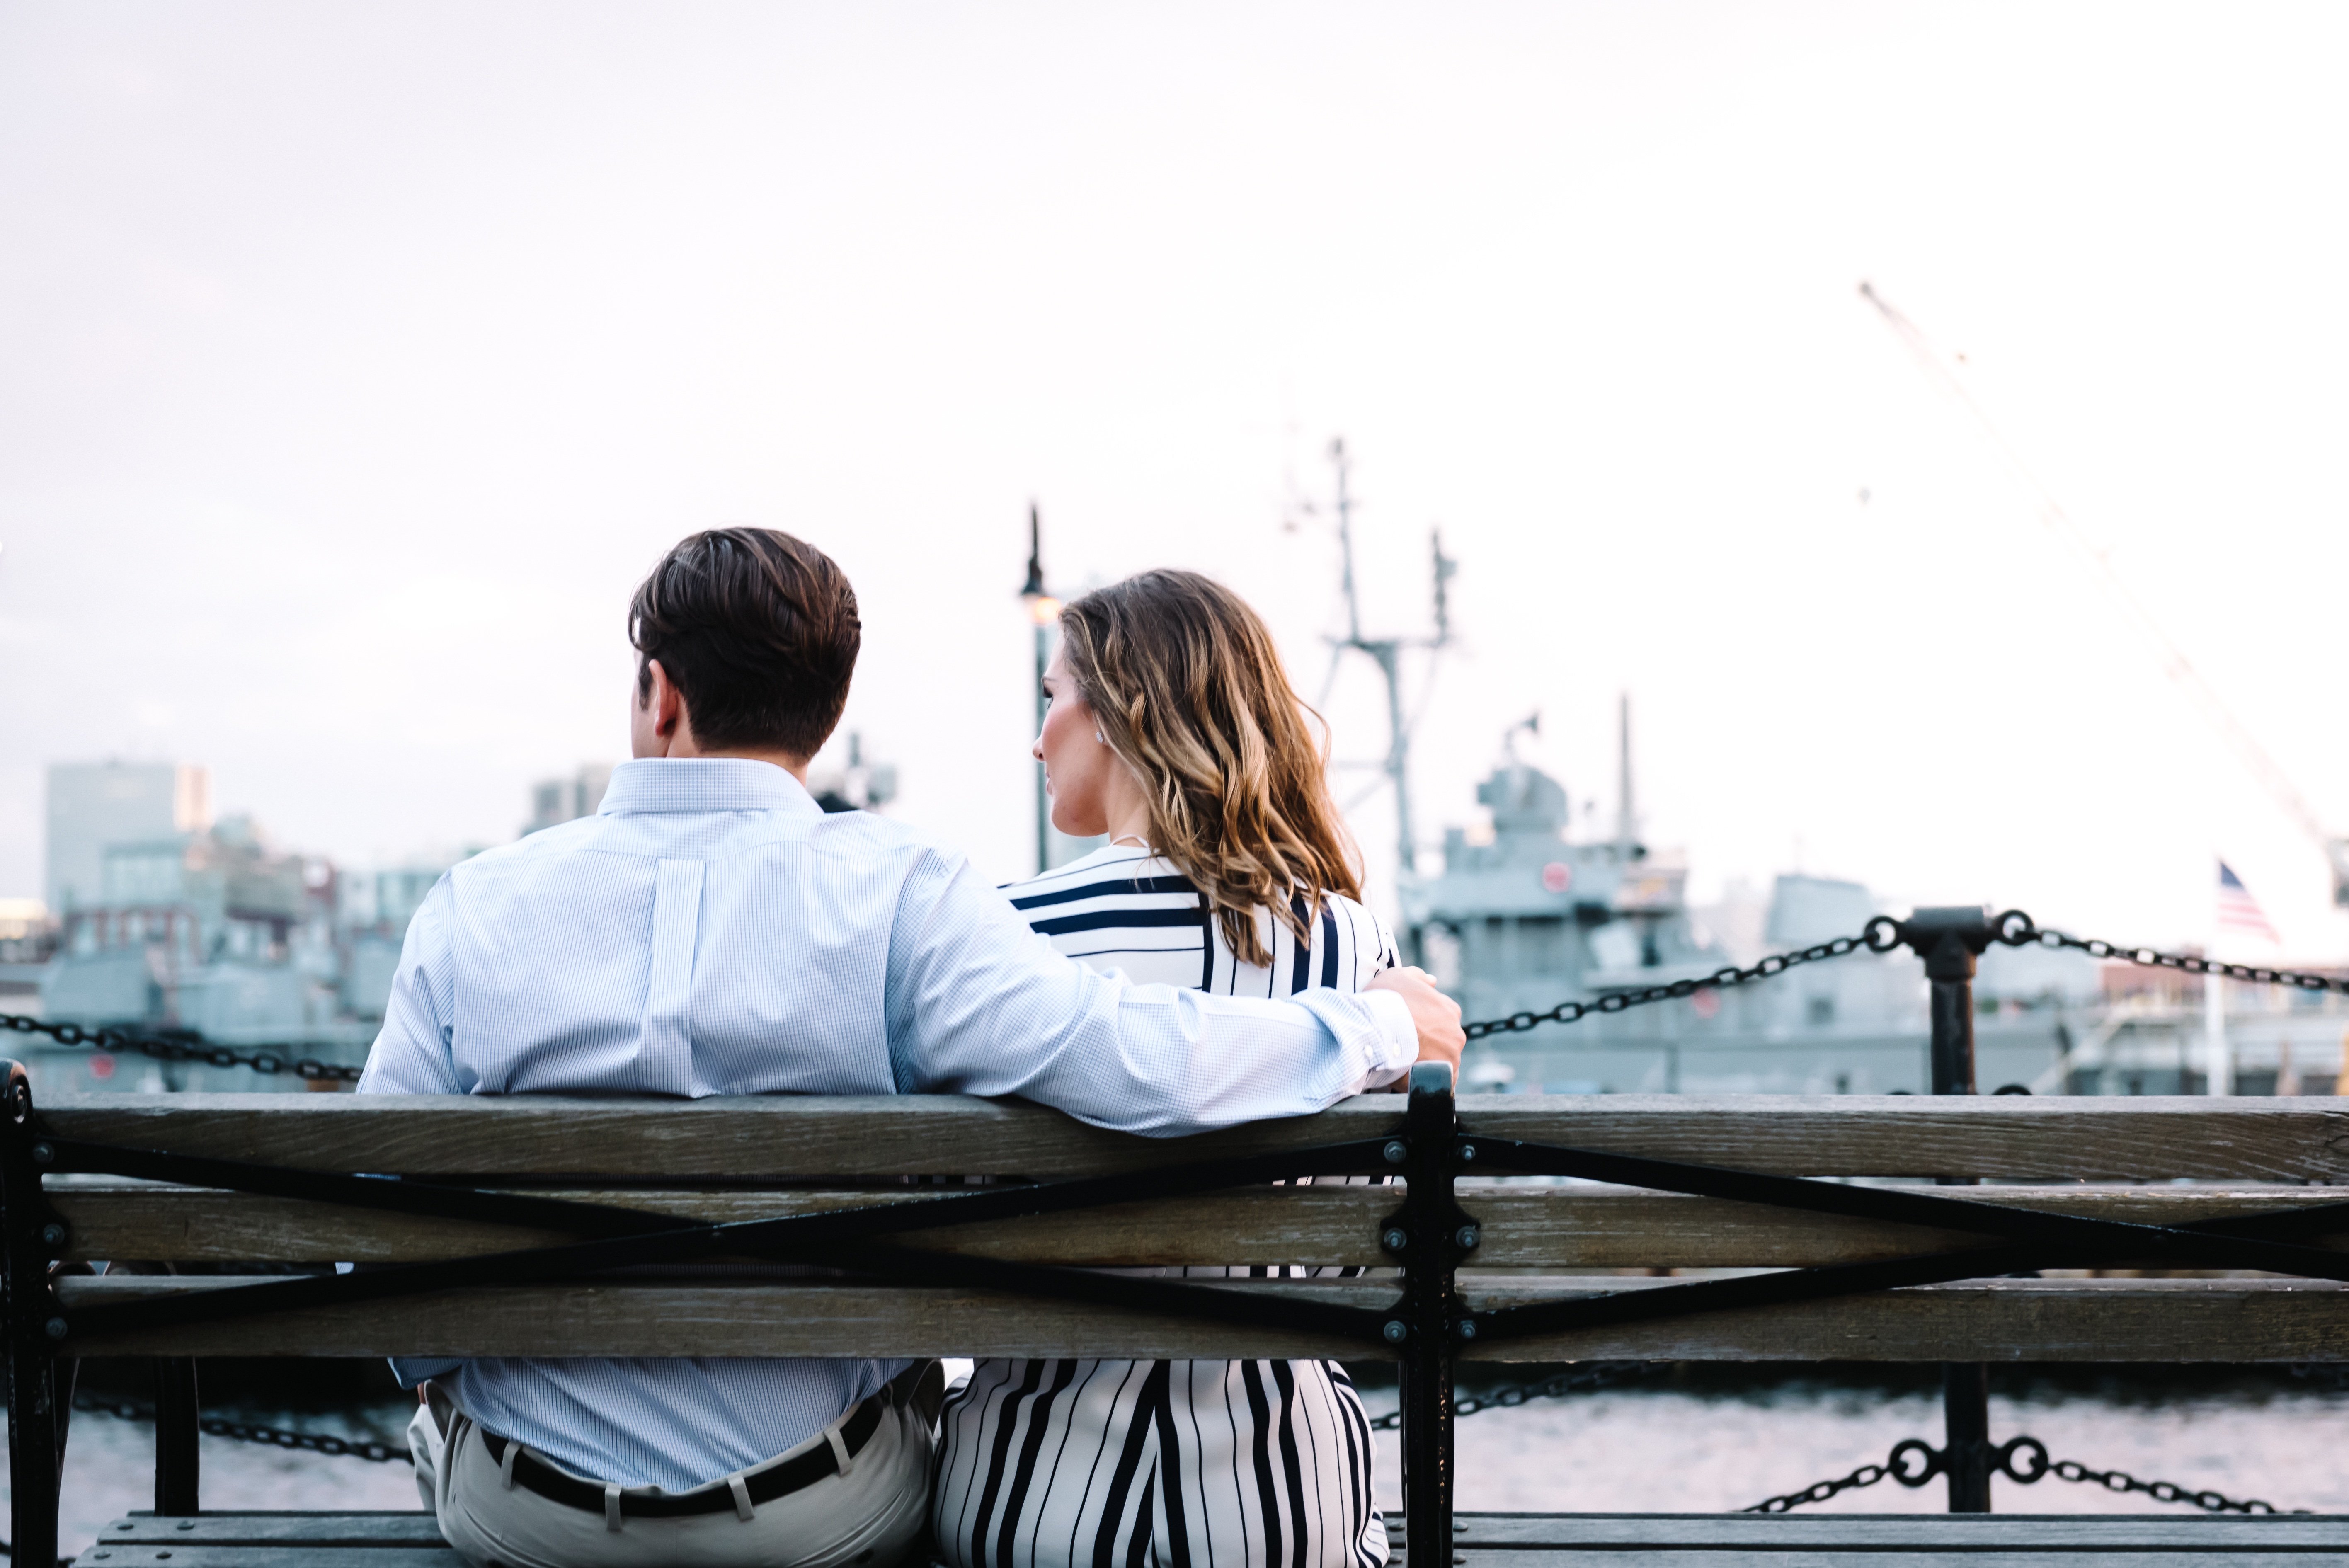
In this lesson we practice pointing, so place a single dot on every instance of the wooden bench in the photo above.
(493, 1262)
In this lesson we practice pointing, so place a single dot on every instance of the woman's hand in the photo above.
(1436, 1016)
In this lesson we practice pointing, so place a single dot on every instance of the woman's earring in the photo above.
(1100, 736)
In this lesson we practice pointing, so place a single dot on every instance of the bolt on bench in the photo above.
(492, 1245)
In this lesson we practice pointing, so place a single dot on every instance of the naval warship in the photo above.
(1522, 917)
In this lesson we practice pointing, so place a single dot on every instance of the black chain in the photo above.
(274, 1436)
(267, 1059)
(2017, 929)
(2014, 928)
(1914, 1462)
(1894, 1468)
(1509, 1396)
(1615, 1001)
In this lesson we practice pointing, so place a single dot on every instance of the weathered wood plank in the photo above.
(667, 1140)
(1889, 1532)
(1908, 1557)
(143, 1555)
(1579, 1532)
(1538, 1227)
(412, 1527)
(2246, 1320)
(2180, 1320)
(1483, 1540)
(704, 1319)
(2289, 1139)
(1316, 1225)
(1599, 1227)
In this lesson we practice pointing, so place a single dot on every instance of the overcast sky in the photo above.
(355, 362)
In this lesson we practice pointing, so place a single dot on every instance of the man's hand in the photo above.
(1436, 1016)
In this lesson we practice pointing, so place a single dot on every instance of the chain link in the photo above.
(1913, 1462)
(268, 1059)
(1720, 979)
(1509, 1396)
(239, 1431)
(2016, 929)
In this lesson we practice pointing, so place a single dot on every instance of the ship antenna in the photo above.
(1627, 823)
(1386, 653)
(1345, 542)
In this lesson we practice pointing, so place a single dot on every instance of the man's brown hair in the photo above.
(758, 634)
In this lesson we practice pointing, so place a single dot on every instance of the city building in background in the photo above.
(93, 805)
(28, 940)
(166, 921)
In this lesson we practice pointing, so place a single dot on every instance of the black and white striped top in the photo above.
(1124, 908)
(1201, 1464)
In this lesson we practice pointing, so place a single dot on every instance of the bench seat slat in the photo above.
(372, 1528)
(1885, 1532)
(1862, 1557)
(1497, 1540)
(1522, 1227)
(2274, 1140)
(294, 1554)
(2231, 1320)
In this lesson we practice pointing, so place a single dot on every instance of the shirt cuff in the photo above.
(1398, 1039)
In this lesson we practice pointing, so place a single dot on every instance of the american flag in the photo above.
(2238, 910)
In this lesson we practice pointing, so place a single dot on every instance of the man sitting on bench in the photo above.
(712, 931)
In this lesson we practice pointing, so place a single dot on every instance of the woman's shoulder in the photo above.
(1105, 872)
(1353, 911)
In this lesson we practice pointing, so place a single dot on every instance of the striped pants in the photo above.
(1173, 1464)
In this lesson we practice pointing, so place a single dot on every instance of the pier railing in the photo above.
(511, 1217)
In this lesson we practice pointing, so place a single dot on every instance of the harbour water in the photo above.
(1672, 1444)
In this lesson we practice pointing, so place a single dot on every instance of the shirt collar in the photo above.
(704, 784)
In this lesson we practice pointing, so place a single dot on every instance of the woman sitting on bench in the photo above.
(1173, 729)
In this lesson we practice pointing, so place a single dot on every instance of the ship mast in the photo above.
(1387, 653)
(1627, 821)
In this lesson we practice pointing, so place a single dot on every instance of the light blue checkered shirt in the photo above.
(712, 931)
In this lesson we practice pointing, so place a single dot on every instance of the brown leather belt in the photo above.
(918, 1385)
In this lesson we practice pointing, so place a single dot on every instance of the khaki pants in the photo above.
(877, 1515)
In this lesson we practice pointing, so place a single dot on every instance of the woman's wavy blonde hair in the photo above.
(1189, 691)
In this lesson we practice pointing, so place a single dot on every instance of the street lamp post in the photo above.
(1044, 610)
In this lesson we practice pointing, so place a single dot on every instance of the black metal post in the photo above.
(37, 1414)
(176, 1435)
(1965, 1435)
(1948, 939)
(1428, 1246)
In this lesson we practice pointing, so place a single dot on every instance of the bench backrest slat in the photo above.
(1991, 1320)
(677, 1140)
(1521, 1226)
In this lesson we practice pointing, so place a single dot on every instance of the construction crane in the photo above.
(2180, 670)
